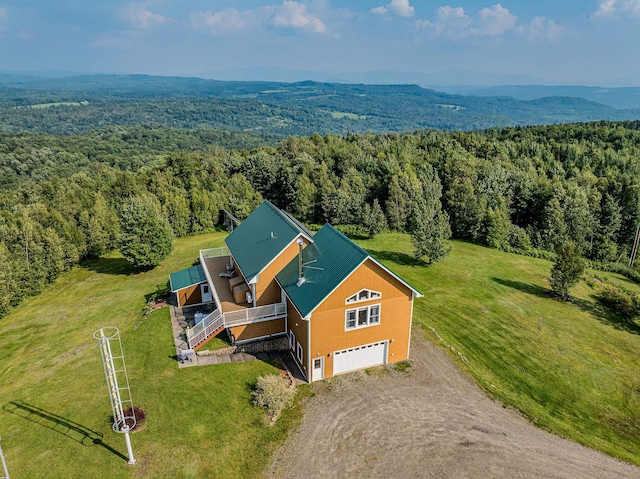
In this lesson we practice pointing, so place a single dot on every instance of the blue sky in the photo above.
(567, 41)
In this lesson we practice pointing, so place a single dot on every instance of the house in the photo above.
(340, 308)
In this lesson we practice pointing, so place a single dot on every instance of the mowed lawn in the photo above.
(54, 408)
(567, 367)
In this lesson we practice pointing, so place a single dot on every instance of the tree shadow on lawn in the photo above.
(66, 427)
(109, 266)
(607, 316)
(528, 288)
(398, 258)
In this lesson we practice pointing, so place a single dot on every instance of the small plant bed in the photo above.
(140, 418)
(402, 366)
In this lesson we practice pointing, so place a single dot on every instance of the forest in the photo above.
(73, 105)
(520, 189)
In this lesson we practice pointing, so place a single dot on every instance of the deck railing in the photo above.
(204, 329)
(250, 315)
(214, 252)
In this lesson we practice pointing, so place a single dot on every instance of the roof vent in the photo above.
(272, 235)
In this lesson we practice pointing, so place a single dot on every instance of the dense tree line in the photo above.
(518, 189)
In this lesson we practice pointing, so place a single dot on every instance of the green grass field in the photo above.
(54, 411)
(568, 367)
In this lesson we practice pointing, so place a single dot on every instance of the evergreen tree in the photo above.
(567, 269)
(145, 238)
(373, 219)
(431, 229)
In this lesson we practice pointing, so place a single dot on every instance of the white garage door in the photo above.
(360, 357)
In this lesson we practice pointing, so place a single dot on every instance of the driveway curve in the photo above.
(429, 422)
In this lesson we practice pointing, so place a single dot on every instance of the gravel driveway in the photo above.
(430, 422)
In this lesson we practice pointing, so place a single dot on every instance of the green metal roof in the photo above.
(187, 277)
(261, 237)
(330, 260)
(336, 256)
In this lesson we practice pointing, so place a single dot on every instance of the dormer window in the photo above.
(363, 295)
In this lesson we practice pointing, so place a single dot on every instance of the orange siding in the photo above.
(299, 326)
(267, 289)
(190, 295)
(258, 330)
(328, 332)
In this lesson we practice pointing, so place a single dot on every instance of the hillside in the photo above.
(567, 367)
(78, 104)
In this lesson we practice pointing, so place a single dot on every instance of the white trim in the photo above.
(212, 286)
(292, 340)
(410, 326)
(357, 310)
(254, 279)
(299, 352)
(313, 368)
(368, 298)
(417, 293)
(309, 346)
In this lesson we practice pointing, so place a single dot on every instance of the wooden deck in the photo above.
(218, 265)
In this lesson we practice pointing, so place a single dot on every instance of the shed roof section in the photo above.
(330, 259)
(261, 237)
(187, 277)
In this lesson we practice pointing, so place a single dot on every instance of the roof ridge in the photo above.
(347, 239)
(285, 216)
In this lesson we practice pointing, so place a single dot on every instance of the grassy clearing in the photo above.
(54, 409)
(343, 114)
(570, 368)
(40, 106)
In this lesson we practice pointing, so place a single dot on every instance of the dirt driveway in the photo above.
(432, 422)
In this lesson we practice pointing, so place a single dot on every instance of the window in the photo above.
(351, 319)
(299, 353)
(362, 317)
(292, 340)
(363, 295)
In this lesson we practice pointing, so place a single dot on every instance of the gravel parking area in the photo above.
(429, 422)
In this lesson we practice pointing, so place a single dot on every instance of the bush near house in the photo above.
(272, 393)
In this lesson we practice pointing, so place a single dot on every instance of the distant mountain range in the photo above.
(80, 103)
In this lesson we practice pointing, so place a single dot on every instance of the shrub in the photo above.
(272, 393)
(621, 301)
(567, 270)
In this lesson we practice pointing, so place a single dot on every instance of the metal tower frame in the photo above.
(4, 464)
(115, 374)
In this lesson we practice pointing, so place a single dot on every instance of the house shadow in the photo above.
(118, 266)
(66, 427)
(398, 258)
(528, 288)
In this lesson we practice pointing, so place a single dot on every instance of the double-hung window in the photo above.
(362, 317)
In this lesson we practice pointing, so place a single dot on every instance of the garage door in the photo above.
(361, 357)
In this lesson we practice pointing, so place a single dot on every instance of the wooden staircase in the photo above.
(209, 338)
(205, 330)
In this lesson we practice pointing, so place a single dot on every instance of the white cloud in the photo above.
(453, 22)
(613, 9)
(541, 29)
(222, 22)
(400, 8)
(290, 14)
(293, 14)
(139, 15)
(495, 21)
